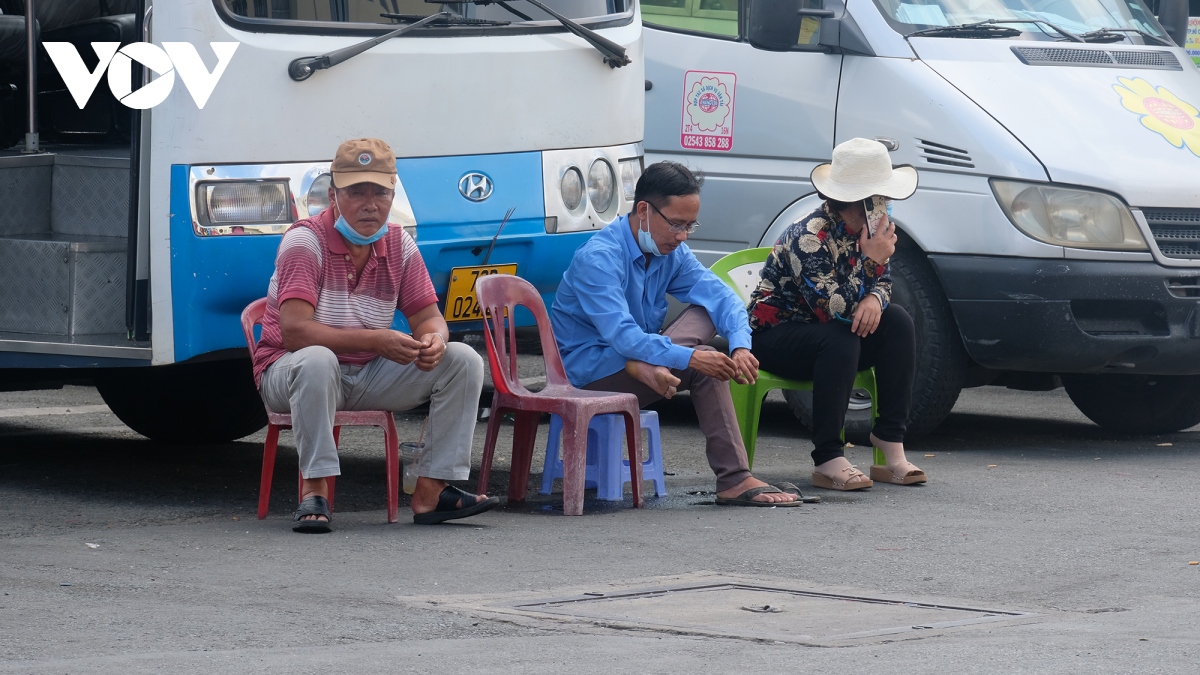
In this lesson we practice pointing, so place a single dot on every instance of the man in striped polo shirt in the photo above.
(327, 342)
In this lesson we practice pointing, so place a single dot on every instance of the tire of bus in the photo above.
(186, 403)
(1137, 404)
(941, 364)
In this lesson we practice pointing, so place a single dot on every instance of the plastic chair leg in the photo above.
(866, 380)
(633, 437)
(574, 441)
(489, 449)
(268, 470)
(604, 452)
(654, 453)
(524, 434)
(747, 406)
(552, 467)
(391, 451)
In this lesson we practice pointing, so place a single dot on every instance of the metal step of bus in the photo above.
(62, 285)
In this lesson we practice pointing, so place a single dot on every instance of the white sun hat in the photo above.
(861, 168)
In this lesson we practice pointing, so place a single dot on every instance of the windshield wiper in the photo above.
(613, 53)
(302, 68)
(991, 28)
(452, 21)
(1100, 34)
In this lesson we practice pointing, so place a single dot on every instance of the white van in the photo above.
(1055, 235)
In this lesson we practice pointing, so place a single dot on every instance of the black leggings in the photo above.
(829, 355)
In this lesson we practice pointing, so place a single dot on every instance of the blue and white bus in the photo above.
(131, 242)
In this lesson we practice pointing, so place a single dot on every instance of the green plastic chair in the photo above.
(741, 271)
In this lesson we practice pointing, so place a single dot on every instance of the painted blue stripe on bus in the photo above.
(214, 278)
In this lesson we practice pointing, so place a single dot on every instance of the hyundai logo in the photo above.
(475, 187)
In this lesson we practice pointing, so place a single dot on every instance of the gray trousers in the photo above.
(313, 386)
(710, 396)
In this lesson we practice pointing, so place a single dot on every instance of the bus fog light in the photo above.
(236, 202)
(571, 187)
(600, 185)
(1069, 216)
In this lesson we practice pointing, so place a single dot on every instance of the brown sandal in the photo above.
(822, 481)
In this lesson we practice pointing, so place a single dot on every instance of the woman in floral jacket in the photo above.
(822, 312)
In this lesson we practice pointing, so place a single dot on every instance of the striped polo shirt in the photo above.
(314, 265)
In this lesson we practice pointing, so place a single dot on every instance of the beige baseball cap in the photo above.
(364, 160)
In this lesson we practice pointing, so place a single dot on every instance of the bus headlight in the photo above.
(1070, 217)
(318, 195)
(252, 202)
(571, 188)
(600, 185)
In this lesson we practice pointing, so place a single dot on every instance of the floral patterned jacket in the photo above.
(816, 274)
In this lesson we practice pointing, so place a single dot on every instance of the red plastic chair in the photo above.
(499, 297)
(251, 317)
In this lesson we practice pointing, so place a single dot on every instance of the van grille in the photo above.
(1176, 231)
(1097, 58)
(945, 155)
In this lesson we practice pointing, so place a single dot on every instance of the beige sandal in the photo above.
(822, 481)
(884, 474)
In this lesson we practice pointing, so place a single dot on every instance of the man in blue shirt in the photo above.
(612, 301)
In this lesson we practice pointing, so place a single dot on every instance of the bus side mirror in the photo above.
(783, 25)
(1173, 15)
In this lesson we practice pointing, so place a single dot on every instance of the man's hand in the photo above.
(747, 366)
(433, 347)
(396, 346)
(713, 364)
(880, 247)
(866, 316)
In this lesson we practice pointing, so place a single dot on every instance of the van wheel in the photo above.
(1137, 404)
(941, 366)
(186, 403)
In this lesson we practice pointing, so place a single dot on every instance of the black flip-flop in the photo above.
(747, 498)
(313, 505)
(791, 489)
(447, 506)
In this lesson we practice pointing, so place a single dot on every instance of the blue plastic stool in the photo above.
(607, 465)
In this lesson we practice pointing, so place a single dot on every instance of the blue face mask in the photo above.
(646, 242)
(888, 205)
(351, 234)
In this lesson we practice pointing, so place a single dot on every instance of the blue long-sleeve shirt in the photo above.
(610, 306)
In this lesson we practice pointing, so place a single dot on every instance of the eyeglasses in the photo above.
(358, 193)
(676, 228)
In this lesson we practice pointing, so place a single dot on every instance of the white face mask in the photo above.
(645, 241)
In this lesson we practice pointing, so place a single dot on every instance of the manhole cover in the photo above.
(746, 609)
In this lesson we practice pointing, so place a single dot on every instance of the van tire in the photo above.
(1137, 404)
(186, 403)
(941, 367)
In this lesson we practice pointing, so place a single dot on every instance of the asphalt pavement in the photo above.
(119, 554)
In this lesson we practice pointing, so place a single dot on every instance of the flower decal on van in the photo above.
(708, 104)
(1161, 112)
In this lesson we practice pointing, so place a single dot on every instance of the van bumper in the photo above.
(1074, 316)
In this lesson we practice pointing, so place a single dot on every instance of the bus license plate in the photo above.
(461, 303)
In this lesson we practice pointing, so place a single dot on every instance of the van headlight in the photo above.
(587, 188)
(1070, 217)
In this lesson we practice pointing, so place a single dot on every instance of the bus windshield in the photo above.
(398, 12)
(1074, 16)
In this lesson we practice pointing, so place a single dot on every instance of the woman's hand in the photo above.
(866, 316)
(880, 247)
